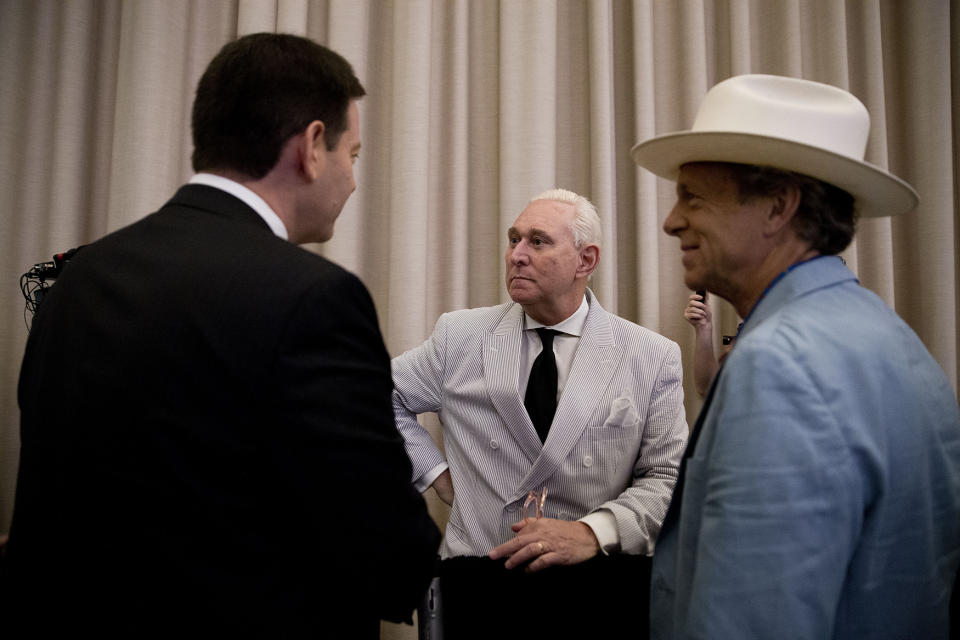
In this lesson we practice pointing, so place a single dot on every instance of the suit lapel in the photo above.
(593, 365)
(501, 372)
(673, 511)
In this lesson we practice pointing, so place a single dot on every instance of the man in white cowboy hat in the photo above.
(820, 493)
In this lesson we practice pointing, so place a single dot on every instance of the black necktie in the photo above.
(541, 397)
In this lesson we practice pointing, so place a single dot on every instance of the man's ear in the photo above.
(312, 149)
(589, 259)
(783, 207)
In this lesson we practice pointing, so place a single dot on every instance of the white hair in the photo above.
(586, 220)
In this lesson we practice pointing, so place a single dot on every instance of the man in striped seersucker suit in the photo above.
(605, 451)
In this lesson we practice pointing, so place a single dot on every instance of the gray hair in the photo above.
(826, 216)
(586, 220)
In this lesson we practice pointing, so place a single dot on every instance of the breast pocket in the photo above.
(615, 441)
(622, 421)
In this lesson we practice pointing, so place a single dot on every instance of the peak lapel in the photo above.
(501, 367)
(593, 366)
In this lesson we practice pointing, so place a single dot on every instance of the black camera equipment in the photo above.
(35, 282)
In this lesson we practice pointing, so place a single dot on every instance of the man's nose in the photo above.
(675, 222)
(519, 253)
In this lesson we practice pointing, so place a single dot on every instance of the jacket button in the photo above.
(588, 461)
(494, 444)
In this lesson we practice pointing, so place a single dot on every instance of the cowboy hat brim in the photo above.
(876, 193)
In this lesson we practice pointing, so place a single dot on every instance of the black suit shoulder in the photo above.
(222, 410)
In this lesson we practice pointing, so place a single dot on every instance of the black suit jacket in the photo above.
(208, 441)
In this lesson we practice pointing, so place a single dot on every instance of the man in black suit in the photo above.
(208, 443)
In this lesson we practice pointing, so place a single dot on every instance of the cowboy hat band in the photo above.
(786, 123)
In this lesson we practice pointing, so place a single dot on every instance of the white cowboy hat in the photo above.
(795, 125)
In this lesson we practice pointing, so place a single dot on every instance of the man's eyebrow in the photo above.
(533, 231)
(540, 232)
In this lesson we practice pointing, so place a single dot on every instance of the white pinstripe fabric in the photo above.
(615, 442)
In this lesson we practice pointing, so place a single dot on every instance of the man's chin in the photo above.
(694, 284)
(517, 291)
(522, 297)
(317, 237)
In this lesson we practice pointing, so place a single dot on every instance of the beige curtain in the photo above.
(474, 106)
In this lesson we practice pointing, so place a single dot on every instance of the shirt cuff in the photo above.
(604, 526)
(423, 482)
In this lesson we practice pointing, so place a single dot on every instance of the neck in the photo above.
(776, 263)
(278, 196)
(555, 313)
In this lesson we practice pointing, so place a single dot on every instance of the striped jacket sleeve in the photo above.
(418, 388)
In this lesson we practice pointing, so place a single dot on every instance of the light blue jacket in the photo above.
(822, 496)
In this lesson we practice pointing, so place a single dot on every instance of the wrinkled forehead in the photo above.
(552, 216)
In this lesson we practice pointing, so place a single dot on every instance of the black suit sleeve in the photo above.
(333, 374)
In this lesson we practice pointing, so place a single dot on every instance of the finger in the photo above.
(543, 562)
(547, 558)
(517, 527)
(529, 552)
(506, 549)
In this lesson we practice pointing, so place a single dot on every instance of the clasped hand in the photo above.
(697, 312)
(546, 542)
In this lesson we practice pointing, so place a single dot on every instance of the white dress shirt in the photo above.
(564, 346)
(249, 198)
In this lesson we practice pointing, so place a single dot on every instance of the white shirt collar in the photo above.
(249, 198)
(572, 325)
